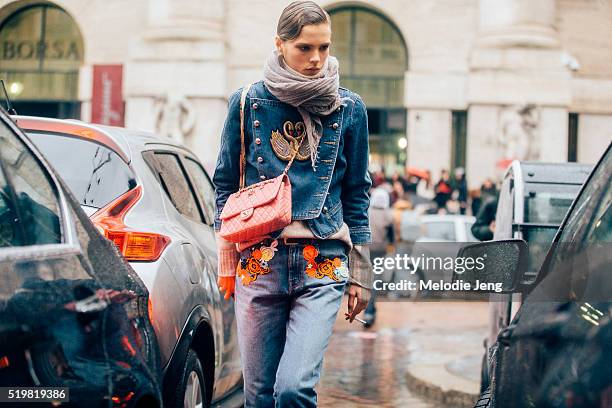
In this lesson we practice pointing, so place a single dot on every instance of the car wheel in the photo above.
(485, 400)
(190, 391)
(484, 372)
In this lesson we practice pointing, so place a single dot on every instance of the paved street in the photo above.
(438, 342)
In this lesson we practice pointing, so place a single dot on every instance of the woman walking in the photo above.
(289, 284)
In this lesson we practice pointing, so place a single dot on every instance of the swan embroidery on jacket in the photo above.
(284, 145)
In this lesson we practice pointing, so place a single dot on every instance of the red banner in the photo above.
(107, 99)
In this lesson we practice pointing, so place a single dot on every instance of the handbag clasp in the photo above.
(246, 214)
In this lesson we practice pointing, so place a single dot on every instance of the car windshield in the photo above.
(578, 266)
(95, 174)
(545, 204)
(594, 200)
(539, 239)
(548, 204)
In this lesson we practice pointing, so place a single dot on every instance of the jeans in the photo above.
(285, 319)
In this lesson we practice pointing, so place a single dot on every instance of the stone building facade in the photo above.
(448, 83)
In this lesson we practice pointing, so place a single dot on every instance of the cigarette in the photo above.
(358, 319)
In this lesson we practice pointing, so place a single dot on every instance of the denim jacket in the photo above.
(336, 192)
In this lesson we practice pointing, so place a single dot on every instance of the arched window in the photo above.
(41, 50)
(373, 60)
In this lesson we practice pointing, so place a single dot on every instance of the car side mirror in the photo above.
(498, 265)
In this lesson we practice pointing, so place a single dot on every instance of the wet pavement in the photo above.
(368, 369)
(365, 368)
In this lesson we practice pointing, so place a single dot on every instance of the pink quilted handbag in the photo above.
(261, 208)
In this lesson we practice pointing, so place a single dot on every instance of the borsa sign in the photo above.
(34, 50)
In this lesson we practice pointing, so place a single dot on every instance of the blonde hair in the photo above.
(297, 15)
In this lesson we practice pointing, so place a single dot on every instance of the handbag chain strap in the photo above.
(294, 154)
(243, 96)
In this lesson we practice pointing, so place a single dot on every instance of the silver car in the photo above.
(446, 228)
(153, 198)
(437, 235)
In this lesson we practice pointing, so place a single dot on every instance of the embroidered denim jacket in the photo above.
(336, 192)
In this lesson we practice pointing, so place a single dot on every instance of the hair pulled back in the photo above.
(297, 15)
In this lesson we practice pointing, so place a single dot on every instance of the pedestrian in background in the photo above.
(378, 178)
(383, 236)
(425, 187)
(460, 190)
(291, 283)
(443, 191)
(474, 195)
(398, 192)
(488, 190)
(484, 226)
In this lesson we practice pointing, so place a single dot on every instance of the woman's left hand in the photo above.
(358, 298)
(227, 284)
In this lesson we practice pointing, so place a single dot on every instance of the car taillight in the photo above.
(4, 362)
(150, 310)
(134, 245)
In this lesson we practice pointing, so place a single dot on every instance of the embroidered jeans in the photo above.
(285, 319)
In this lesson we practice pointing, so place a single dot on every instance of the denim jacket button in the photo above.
(256, 123)
(260, 159)
(338, 110)
(255, 106)
(262, 177)
(258, 141)
(335, 126)
(324, 210)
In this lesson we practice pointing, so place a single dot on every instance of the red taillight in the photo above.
(134, 245)
(128, 346)
(150, 310)
(4, 362)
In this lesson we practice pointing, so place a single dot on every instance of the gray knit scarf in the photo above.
(313, 96)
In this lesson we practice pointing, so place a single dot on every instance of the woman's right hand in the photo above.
(227, 284)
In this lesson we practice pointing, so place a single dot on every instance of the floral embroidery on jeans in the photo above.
(250, 268)
(318, 267)
(343, 270)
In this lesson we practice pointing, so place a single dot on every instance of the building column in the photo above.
(523, 23)
(429, 140)
(518, 89)
(175, 77)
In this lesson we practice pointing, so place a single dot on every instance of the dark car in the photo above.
(152, 197)
(73, 313)
(533, 200)
(556, 350)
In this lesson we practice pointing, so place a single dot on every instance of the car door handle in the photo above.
(90, 304)
(100, 300)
